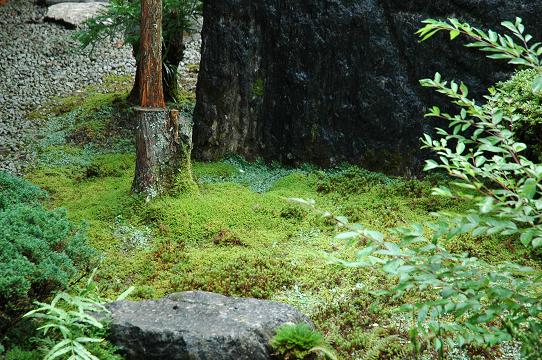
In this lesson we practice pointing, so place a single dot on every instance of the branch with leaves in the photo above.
(472, 301)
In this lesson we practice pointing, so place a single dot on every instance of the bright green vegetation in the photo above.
(516, 96)
(40, 250)
(299, 341)
(239, 235)
(469, 300)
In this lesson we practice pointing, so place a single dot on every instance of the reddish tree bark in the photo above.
(163, 138)
(151, 93)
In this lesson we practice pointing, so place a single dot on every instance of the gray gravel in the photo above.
(40, 60)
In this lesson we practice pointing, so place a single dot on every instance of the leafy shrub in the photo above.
(515, 96)
(40, 250)
(20, 354)
(299, 341)
(466, 300)
(15, 190)
(71, 330)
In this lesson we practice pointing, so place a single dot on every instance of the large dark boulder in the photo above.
(198, 326)
(332, 80)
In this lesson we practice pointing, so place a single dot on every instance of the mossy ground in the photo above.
(238, 235)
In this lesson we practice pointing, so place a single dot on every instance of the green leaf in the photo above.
(487, 205)
(519, 61)
(308, 202)
(496, 118)
(454, 34)
(430, 165)
(500, 56)
(529, 188)
(423, 314)
(537, 85)
(519, 147)
(447, 292)
(460, 148)
(537, 242)
(88, 340)
(526, 237)
(126, 293)
(347, 235)
(59, 349)
(392, 266)
(374, 235)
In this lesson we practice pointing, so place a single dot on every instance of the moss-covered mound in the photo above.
(239, 235)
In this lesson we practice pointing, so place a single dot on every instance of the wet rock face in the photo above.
(334, 80)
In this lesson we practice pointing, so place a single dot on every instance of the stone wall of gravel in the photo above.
(40, 60)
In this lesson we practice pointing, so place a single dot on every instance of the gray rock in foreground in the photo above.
(198, 326)
(73, 13)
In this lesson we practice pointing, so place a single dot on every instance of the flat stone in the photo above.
(198, 326)
(73, 13)
(53, 2)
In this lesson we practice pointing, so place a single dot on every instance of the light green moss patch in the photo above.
(236, 241)
(238, 234)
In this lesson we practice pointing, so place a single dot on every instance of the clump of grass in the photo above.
(299, 341)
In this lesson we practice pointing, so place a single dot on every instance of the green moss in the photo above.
(230, 239)
(184, 181)
(193, 68)
(114, 83)
(209, 171)
(185, 102)
(87, 100)
(258, 88)
(238, 234)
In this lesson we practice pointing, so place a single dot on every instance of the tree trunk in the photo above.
(173, 54)
(173, 48)
(163, 139)
(150, 87)
(164, 143)
(133, 97)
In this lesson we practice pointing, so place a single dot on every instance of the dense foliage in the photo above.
(466, 300)
(122, 18)
(69, 325)
(515, 96)
(238, 236)
(40, 250)
(299, 341)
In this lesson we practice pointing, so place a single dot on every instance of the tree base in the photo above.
(163, 147)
